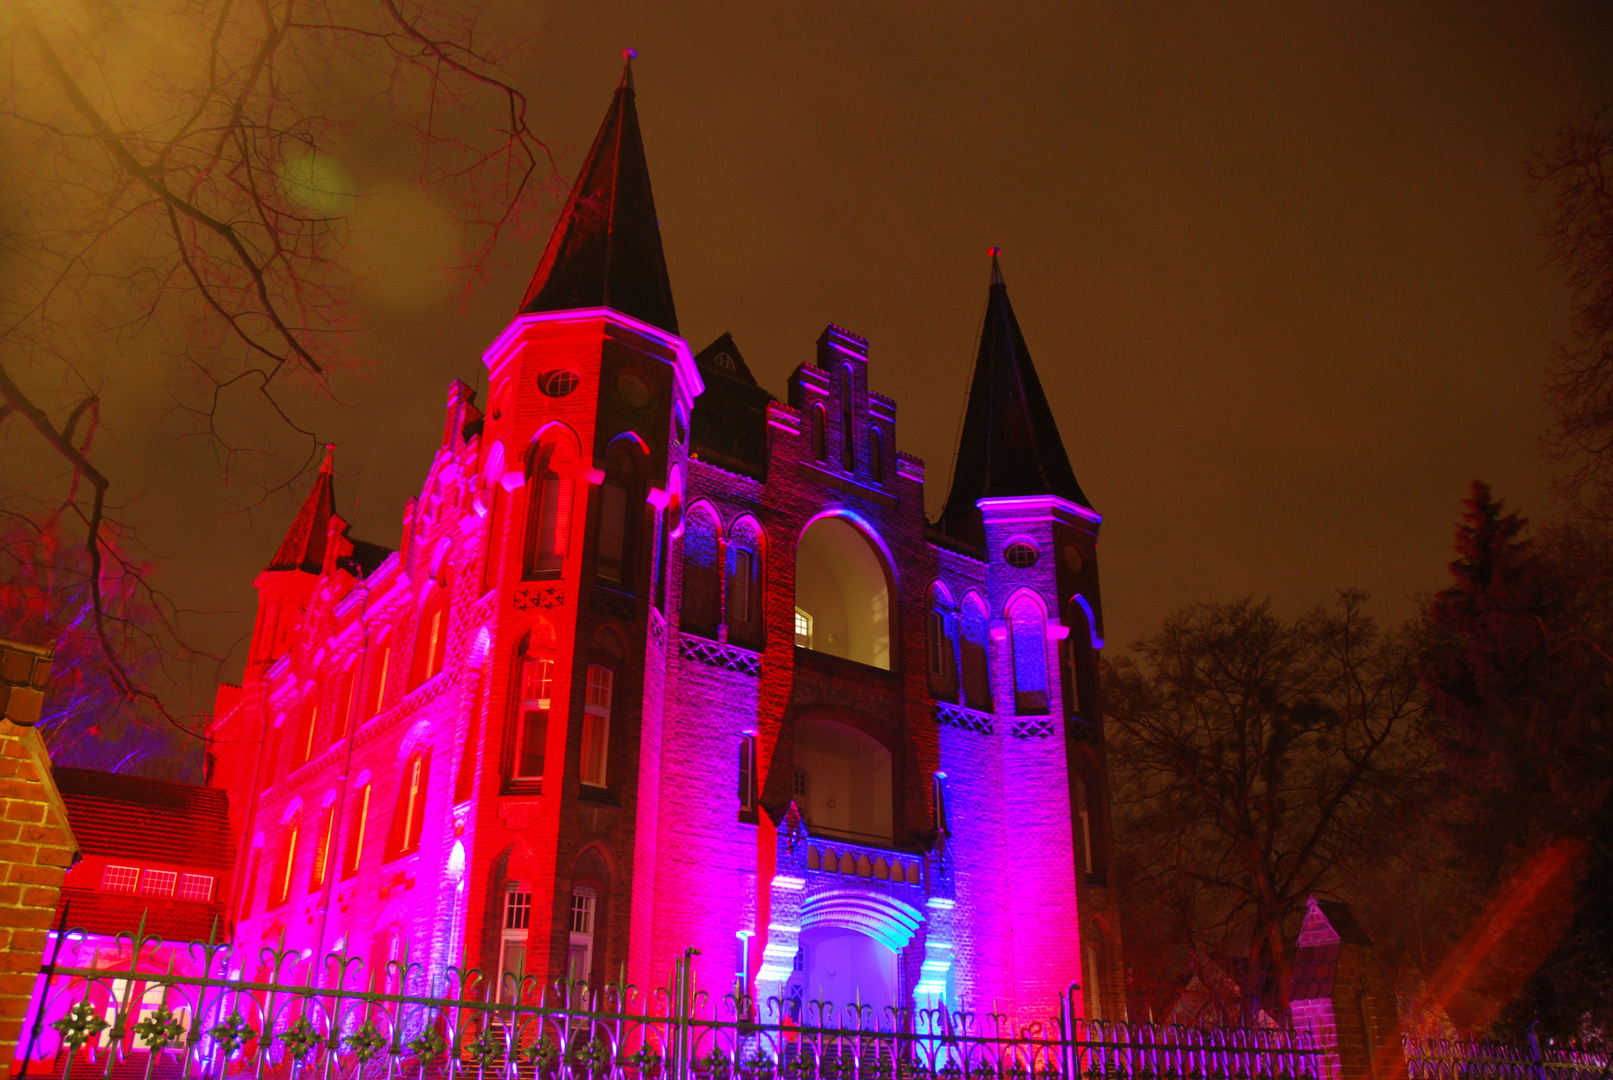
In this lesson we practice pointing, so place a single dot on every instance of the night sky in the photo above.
(1277, 264)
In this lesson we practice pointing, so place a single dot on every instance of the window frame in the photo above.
(542, 705)
(596, 724)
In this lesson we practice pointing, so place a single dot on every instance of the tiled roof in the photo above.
(606, 247)
(119, 913)
(135, 818)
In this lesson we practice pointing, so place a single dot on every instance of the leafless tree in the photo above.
(164, 191)
(1577, 173)
(1257, 761)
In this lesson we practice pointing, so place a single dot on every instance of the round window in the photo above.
(632, 388)
(1020, 554)
(1072, 559)
(560, 383)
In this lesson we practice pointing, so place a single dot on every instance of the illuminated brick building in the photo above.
(664, 662)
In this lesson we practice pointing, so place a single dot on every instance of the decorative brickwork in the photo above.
(963, 719)
(726, 657)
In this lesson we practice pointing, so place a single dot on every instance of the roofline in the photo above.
(1023, 506)
(683, 367)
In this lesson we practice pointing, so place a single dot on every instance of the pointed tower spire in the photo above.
(304, 545)
(606, 248)
(1010, 443)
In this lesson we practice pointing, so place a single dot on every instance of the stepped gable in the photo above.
(133, 817)
(605, 250)
(1010, 443)
(729, 425)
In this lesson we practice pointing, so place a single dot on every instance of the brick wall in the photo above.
(36, 848)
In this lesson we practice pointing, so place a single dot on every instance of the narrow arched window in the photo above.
(281, 891)
(820, 432)
(346, 702)
(976, 670)
(744, 585)
(308, 734)
(621, 514)
(549, 501)
(408, 819)
(494, 499)
(431, 642)
(1027, 634)
(943, 674)
(534, 683)
(848, 445)
(701, 601)
(358, 830)
(876, 456)
(380, 667)
(596, 724)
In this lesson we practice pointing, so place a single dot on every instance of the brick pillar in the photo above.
(36, 848)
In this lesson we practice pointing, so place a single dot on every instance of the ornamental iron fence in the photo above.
(1466, 1059)
(146, 1009)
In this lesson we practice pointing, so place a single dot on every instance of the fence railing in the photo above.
(1464, 1059)
(163, 1011)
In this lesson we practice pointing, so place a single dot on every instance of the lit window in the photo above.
(548, 524)
(536, 677)
(197, 887)
(803, 629)
(282, 875)
(582, 912)
(158, 883)
(120, 878)
(1020, 554)
(359, 829)
(321, 863)
(580, 956)
(512, 940)
(412, 804)
(596, 724)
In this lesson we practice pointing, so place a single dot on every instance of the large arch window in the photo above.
(550, 493)
(972, 647)
(842, 597)
(1027, 634)
(942, 667)
(431, 639)
(744, 584)
(702, 580)
(847, 786)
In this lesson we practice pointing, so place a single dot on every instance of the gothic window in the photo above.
(876, 456)
(747, 772)
(596, 724)
(549, 505)
(535, 681)
(280, 890)
(408, 819)
(1027, 633)
(744, 585)
(621, 512)
(431, 640)
(321, 861)
(702, 583)
(307, 732)
(346, 701)
(380, 667)
(943, 673)
(580, 954)
(848, 447)
(938, 804)
(357, 830)
(820, 432)
(1083, 822)
(516, 924)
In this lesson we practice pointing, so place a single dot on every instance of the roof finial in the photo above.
(996, 271)
(629, 54)
(327, 467)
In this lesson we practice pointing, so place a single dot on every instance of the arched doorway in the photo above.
(842, 599)
(842, 782)
(850, 945)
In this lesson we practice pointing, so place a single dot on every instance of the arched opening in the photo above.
(550, 492)
(973, 626)
(842, 779)
(701, 602)
(621, 502)
(431, 639)
(744, 584)
(842, 590)
(1027, 634)
(942, 666)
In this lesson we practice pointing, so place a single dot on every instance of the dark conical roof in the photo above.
(304, 545)
(1010, 443)
(606, 248)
